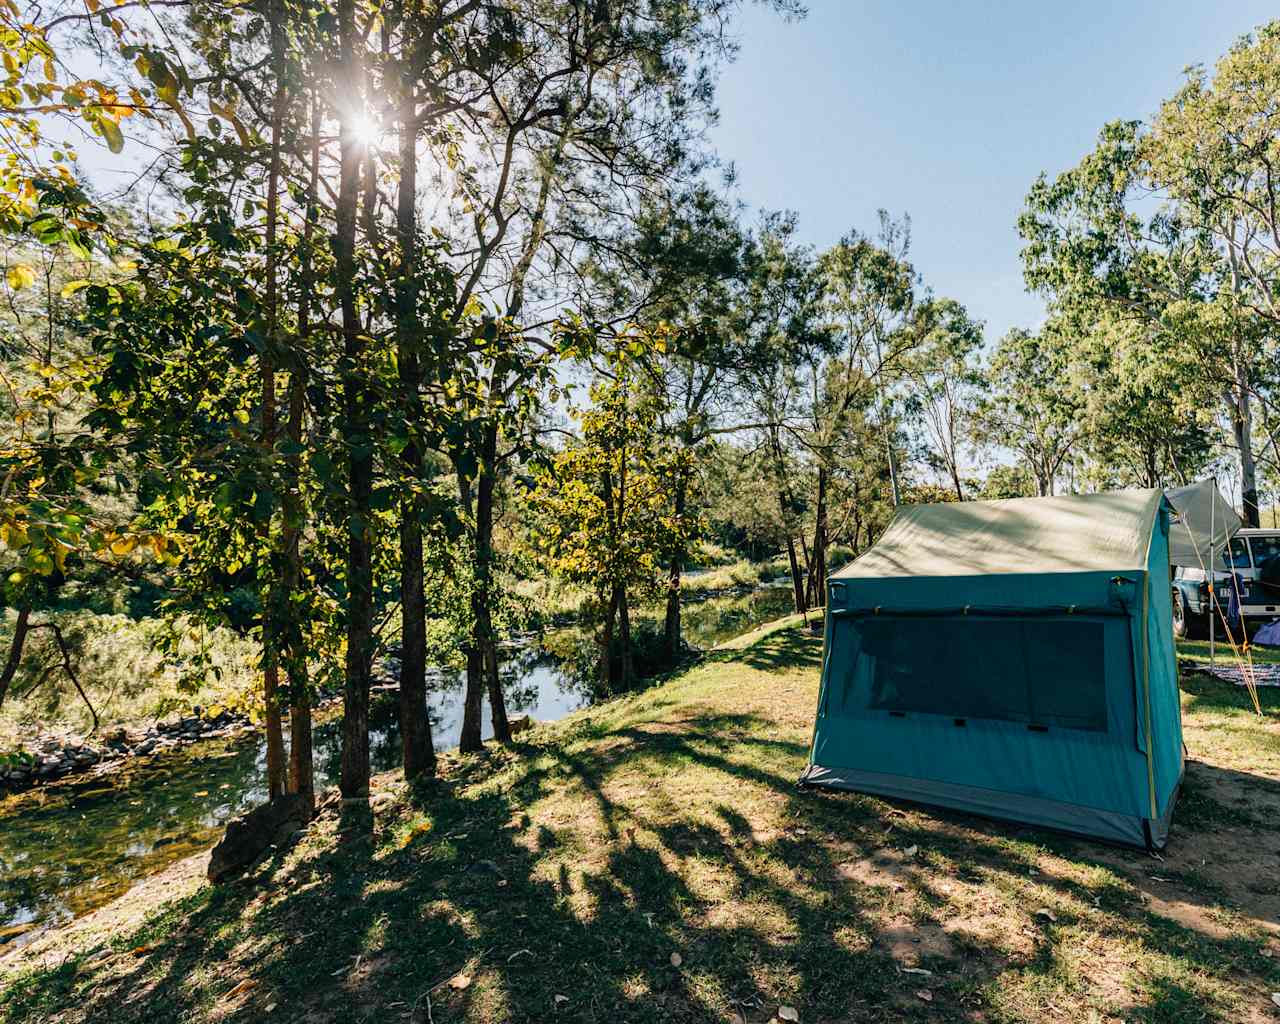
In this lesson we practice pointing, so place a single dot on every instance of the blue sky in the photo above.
(948, 111)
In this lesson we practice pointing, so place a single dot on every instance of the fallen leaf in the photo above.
(1046, 912)
(917, 970)
(1275, 998)
(270, 1008)
(924, 994)
(202, 792)
(141, 950)
(248, 985)
(561, 999)
(676, 959)
(788, 1013)
(911, 851)
(460, 981)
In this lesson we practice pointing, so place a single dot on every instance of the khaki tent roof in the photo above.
(1074, 533)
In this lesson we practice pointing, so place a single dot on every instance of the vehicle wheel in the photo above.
(1186, 625)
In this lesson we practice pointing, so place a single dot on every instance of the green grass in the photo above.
(560, 878)
(1199, 650)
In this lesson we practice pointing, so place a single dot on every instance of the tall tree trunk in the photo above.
(607, 678)
(628, 668)
(818, 561)
(301, 758)
(20, 630)
(415, 726)
(473, 702)
(473, 698)
(1242, 426)
(354, 780)
(797, 581)
(271, 603)
(671, 640)
(486, 638)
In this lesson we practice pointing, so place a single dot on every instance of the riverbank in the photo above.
(650, 859)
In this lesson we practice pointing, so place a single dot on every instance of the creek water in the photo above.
(69, 848)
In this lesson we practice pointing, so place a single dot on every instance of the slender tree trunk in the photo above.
(20, 630)
(671, 639)
(607, 678)
(797, 581)
(473, 698)
(301, 758)
(497, 700)
(415, 726)
(628, 667)
(486, 637)
(818, 562)
(355, 429)
(1242, 425)
(473, 703)
(271, 604)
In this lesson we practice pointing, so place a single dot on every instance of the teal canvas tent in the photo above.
(1013, 659)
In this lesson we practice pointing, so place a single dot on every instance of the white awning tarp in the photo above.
(1203, 523)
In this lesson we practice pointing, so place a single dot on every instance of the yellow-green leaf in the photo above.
(71, 287)
(111, 132)
(20, 276)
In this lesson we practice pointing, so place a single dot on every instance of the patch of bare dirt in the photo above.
(908, 942)
(1189, 915)
(890, 869)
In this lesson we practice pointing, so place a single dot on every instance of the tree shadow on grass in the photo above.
(559, 886)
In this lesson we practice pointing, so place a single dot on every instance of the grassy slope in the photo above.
(560, 881)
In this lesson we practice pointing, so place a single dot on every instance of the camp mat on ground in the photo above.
(1261, 675)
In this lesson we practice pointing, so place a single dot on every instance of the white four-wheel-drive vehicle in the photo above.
(1253, 556)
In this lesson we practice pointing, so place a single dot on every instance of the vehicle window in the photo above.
(1264, 548)
(1238, 555)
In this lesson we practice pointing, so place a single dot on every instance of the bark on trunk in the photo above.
(818, 561)
(486, 639)
(470, 742)
(415, 727)
(270, 606)
(607, 679)
(301, 759)
(797, 580)
(671, 639)
(1242, 424)
(627, 668)
(354, 780)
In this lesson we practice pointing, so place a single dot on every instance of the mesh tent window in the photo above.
(1040, 672)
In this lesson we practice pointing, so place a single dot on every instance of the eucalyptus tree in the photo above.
(1033, 407)
(783, 314)
(871, 291)
(1197, 265)
(602, 505)
(945, 383)
(682, 264)
(564, 113)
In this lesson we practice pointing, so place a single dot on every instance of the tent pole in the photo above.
(1213, 590)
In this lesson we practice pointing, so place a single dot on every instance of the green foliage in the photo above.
(603, 505)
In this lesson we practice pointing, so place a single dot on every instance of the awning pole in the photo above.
(1213, 590)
